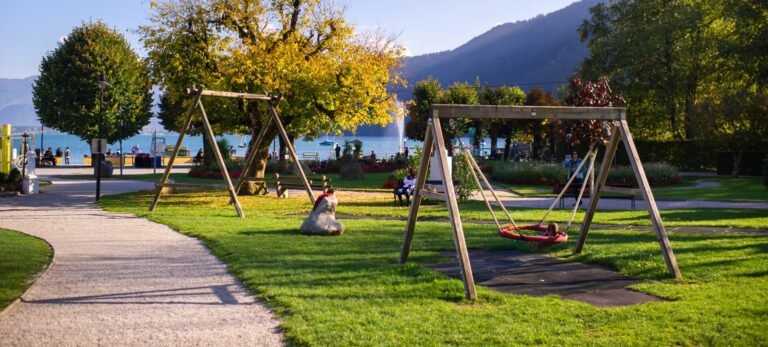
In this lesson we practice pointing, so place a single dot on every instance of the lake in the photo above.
(383, 146)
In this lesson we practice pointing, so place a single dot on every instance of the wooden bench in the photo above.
(312, 156)
(624, 189)
(282, 184)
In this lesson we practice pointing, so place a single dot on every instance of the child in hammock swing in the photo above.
(552, 229)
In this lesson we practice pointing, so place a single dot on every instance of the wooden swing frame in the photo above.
(434, 142)
(197, 105)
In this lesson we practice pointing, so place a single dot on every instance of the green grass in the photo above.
(349, 290)
(730, 189)
(21, 258)
(178, 177)
(739, 218)
(372, 181)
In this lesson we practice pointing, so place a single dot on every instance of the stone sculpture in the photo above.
(322, 219)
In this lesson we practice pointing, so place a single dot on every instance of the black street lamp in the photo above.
(101, 84)
(24, 150)
(122, 125)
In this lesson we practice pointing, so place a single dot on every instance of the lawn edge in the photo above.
(35, 277)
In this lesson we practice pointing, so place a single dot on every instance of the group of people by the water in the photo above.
(48, 157)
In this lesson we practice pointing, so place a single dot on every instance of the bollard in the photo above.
(5, 149)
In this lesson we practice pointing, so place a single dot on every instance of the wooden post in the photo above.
(650, 202)
(602, 176)
(453, 211)
(291, 150)
(252, 154)
(421, 178)
(220, 160)
(179, 142)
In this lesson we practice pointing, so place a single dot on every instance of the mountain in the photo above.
(16, 102)
(542, 51)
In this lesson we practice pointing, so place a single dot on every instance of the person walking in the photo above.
(67, 153)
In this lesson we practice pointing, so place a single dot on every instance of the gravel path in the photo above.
(121, 280)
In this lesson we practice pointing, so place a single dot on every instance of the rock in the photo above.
(352, 171)
(106, 169)
(322, 219)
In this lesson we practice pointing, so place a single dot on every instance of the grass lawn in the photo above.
(372, 181)
(737, 189)
(21, 258)
(349, 290)
(740, 218)
(730, 189)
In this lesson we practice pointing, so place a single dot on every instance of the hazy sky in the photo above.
(30, 28)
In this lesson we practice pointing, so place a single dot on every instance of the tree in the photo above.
(331, 77)
(428, 92)
(662, 54)
(537, 97)
(506, 128)
(66, 96)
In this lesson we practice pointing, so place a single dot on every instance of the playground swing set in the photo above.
(197, 107)
(434, 143)
(513, 230)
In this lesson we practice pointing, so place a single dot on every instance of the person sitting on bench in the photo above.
(406, 188)
(572, 164)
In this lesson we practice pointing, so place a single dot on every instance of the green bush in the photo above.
(685, 154)
(658, 174)
(3, 177)
(14, 177)
(228, 163)
(550, 174)
(529, 173)
(223, 144)
(463, 173)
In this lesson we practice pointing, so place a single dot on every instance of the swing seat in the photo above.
(510, 232)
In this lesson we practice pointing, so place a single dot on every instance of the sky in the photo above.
(30, 28)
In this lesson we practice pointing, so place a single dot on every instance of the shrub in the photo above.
(765, 170)
(529, 173)
(3, 177)
(463, 173)
(658, 174)
(226, 154)
(212, 173)
(14, 176)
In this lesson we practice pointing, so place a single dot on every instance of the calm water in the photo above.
(383, 146)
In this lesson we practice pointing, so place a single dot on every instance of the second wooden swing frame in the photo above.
(197, 106)
(435, 142)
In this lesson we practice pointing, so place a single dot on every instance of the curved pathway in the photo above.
(121, 280)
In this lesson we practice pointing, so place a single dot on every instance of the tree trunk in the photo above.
(493, 132)
(507, 146)
(536, 146)
(737, 162)
(208, 157)
(282, 153)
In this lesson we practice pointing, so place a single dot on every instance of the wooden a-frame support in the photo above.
(197, 105)
(434, 143)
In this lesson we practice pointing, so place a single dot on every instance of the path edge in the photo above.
(35, 277)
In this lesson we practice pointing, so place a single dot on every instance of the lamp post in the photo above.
(101, 84)
(122, 125)
(24, 144)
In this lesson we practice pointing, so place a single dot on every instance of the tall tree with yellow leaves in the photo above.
(332, 78)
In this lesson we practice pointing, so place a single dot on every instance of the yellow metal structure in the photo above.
(5, 149)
